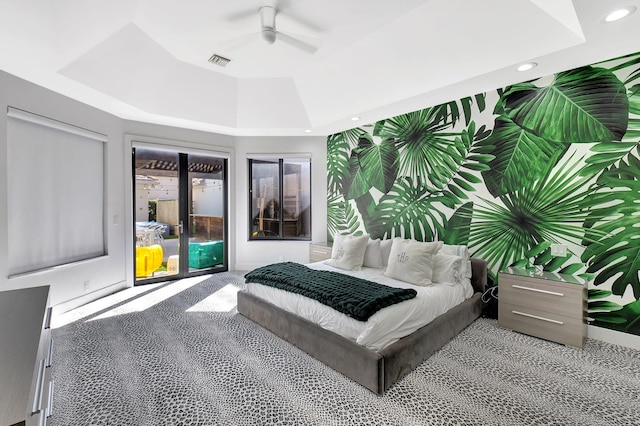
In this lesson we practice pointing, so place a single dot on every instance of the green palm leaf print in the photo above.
(613, 246)
(341, 217)
(520, 157)
(582, 105)
(338, 148)
(371, 166)
(626, 319)
(427, 147)
(550, 209)
(458, 225)
(408, 210)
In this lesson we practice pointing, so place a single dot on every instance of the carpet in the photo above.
(179, 354)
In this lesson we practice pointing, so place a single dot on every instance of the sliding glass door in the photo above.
(180, 204)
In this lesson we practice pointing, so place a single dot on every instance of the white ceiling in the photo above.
(147, 60)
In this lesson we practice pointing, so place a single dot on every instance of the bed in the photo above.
(373, 366)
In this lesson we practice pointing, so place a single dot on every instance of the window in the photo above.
(55, 197)
(280, 198)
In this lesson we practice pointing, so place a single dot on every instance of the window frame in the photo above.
(280, 211)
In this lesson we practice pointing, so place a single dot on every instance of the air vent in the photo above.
(219, 60)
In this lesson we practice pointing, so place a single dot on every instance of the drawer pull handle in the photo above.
(42, 419)
(537, 317)
(50, 353)
(50, 404)
(554, 293)
(47, 318)
(37, 399)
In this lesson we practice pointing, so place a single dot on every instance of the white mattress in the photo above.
(384, 327)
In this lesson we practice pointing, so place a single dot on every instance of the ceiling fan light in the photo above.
(269, 34)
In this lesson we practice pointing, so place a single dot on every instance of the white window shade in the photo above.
(55, 178)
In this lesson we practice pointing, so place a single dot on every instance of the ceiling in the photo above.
(147, 60)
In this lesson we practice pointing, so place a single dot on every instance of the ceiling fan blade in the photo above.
(241, 15)
(296, 42)
(239, 43)
(308, 26)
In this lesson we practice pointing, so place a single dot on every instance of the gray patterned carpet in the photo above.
(178, 354)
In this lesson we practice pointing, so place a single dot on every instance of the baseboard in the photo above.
(614, 337)
(63, 307)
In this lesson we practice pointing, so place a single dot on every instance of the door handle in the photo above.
(181, 227)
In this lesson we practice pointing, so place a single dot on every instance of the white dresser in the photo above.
(548, 305)
(25, 357)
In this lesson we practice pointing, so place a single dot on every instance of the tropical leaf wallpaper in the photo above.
(509, 173)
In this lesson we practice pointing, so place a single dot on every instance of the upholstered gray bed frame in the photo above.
(376, 371)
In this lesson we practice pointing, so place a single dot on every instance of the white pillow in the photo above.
(385, 248)
(447, 269)
(411, 261)
(463, 252)
(348, 252)
(373, 254)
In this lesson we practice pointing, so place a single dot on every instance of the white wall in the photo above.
(115, 271)
(104, 273)
(251, 254)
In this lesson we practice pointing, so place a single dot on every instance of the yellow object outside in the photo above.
(148, 260)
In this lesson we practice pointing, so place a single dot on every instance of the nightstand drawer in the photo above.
(546, 325)
(319, 252)
(541, 295)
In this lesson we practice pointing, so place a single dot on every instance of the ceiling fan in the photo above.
(270, 34)
(268, 23)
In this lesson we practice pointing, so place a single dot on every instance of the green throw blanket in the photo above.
(352, 296)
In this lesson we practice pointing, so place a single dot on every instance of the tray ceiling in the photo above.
(147, 60)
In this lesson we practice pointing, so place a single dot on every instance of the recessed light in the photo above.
(618, 14)
(307, 130)
(526, 66)
(355, 118)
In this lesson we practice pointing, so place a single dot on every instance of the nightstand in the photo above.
(548, 305)
(319, 251)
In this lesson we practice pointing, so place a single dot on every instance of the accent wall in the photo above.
(552, 161)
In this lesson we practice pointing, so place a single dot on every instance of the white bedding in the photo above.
(384, 327)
